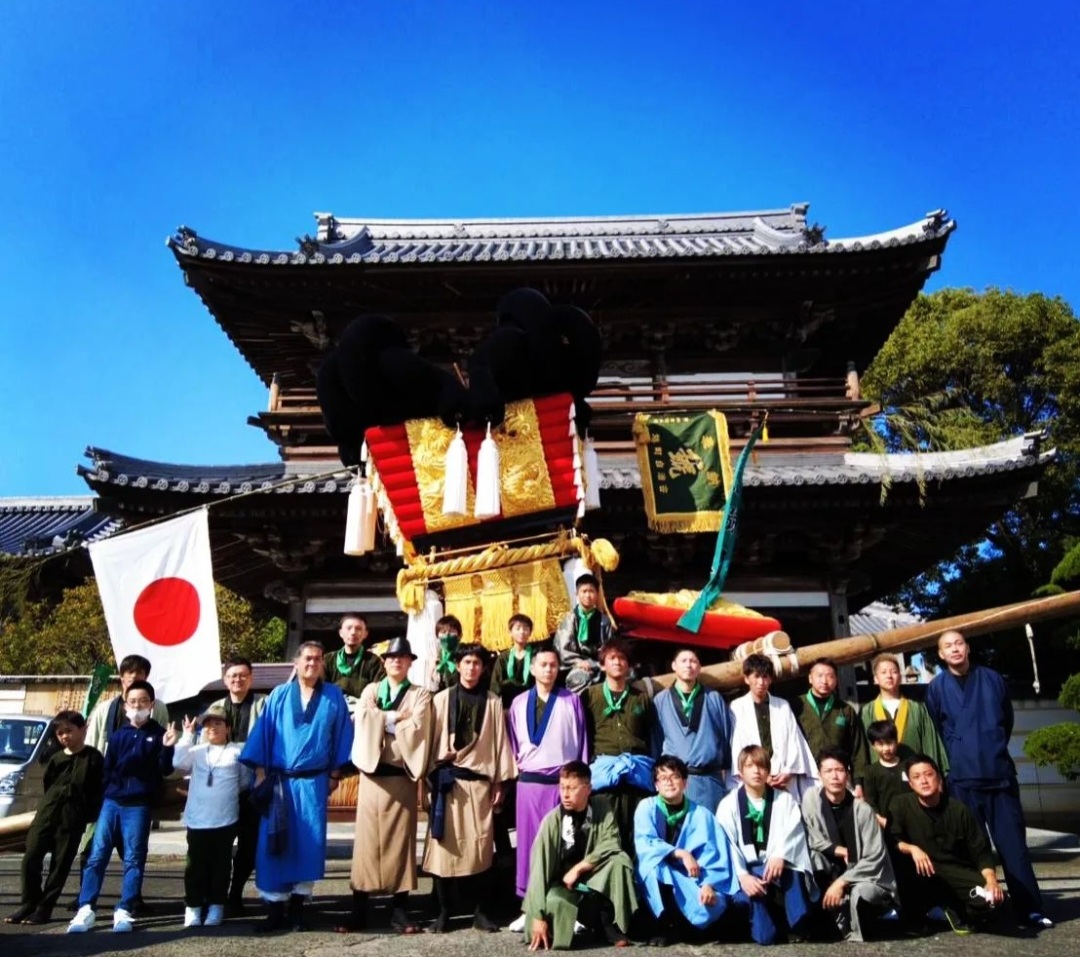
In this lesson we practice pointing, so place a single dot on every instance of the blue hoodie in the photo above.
(136, 762)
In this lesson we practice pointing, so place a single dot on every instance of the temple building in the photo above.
(749, 313)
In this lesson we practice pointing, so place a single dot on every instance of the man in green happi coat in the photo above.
(578, 870)
(352, 667)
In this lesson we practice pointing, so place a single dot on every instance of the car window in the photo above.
(18, 737)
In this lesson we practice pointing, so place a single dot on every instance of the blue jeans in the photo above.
(118, 825)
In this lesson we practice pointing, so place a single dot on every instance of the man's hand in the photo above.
(859, 793)
(841, 853)
(171, 736)
(260, 776)
(706, 896)
(834, 896)
(497, 795)
(189, 725)
(539, 939)
(778, 780)
(997, 895)
(924, 867)
(752, 886)
(693, 868)
(333, 785)
(404, 714)
(882, 820)
(584, 665)
(575, 874)
(774, 867)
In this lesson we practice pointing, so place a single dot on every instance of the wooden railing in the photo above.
(804, 414)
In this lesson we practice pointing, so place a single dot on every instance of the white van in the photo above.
(26, 744)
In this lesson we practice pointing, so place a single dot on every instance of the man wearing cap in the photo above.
(352, 667)
(471, 760)
(390, 749)
(241, 708)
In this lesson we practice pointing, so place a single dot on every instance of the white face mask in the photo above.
(137, 715)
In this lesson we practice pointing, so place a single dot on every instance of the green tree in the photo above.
(69, 635)
(964, 368)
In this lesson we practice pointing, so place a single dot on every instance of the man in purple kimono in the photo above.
(298, 747)
(547, 730)
(970, 705)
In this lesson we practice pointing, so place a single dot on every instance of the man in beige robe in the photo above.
(471, 760)
(390, 749)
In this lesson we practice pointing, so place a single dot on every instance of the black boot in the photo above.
(296, 913)
(357, 919)
(441, 924)
(399, 915)
(275, 918)
(480, 892)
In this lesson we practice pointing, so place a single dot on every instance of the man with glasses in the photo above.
(242, 708)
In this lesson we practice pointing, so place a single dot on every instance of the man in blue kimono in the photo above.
(298, 747)
(683, 863)
(970, 705)
(695, 725)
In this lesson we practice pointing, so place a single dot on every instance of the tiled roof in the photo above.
(678, 236)
(115, 469)
(878, 617)
(863, 468)
(40, 526)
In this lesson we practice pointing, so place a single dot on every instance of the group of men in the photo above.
(667, 817)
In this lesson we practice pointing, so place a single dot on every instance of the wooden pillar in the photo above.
(841, 628)
(295, 624)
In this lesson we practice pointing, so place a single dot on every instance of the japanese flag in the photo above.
(157, 587)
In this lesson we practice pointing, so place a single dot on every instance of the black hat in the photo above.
(399, 648)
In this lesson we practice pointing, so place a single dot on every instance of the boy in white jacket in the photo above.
(213, 807)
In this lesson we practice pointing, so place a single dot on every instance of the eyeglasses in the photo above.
(668, 779)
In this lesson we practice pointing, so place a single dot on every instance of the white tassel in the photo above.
(369, 518)
(363, 451)
(354, 520)
(456, 476)
(488, 502)
(592, 474)
(573, 416)
(581, 509)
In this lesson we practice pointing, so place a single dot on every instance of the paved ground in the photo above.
(160, 933)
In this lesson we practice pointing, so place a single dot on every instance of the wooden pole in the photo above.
(847, 651)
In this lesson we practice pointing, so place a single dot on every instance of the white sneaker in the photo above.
(579, 928)
(83, 920)
(215, 914)
(193, 917)
(518, 926)
(122, 921)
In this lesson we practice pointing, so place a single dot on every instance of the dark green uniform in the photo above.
(73, 794)
(833, 723)
(353, 673)
(511, 675)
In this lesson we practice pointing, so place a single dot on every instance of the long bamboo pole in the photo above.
(847, 651)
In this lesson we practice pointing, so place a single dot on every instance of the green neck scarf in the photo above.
(584, 617)
(821, 712)
(614, 705)
(756, 816)
(446, 665)
(687, 700)
(526, 666)
(383, 696)
(344, 666)
(673, 815)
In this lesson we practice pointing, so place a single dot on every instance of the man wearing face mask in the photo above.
(139, 756)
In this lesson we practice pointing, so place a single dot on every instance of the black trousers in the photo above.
(247, 839)
(63, 844)
(206, 875)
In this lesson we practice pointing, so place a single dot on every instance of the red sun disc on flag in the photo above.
(167, 611)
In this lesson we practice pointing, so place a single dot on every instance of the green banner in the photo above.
(99, 678)
(685, 465)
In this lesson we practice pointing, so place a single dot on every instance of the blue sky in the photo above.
(120, 121)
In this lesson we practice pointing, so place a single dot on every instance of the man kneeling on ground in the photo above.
(578, 871)
(683, 862)
(948, 859)
(847, 847)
